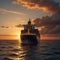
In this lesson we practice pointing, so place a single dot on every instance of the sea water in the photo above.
(45, 50)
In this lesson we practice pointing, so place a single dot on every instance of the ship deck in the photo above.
(28, 34)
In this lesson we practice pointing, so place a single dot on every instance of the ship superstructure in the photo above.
(30, 35)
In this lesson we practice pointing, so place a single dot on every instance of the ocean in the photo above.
(45, 50)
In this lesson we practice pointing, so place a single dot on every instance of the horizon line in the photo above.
(8, 35)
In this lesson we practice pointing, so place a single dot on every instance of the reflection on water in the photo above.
(12, 50)
(30, 52)
(45, 50)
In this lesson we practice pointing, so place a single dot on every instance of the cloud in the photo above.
(14, 2)
(48, 21)
(56, 30)
(46, 5)
(4, 27)
(12, 12)
(19, 25)
(51, 24)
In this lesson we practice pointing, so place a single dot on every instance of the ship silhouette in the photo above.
(30, 35)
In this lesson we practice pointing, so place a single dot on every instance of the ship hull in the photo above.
(29, 39)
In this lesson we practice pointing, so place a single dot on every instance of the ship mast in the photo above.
(29, 26)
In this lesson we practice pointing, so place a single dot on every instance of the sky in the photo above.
(14, 13)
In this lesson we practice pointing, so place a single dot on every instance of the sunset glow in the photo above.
(15, 13)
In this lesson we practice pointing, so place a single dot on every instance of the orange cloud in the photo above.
(12, 12)
(46, 5)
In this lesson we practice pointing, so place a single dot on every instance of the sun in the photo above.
(18, 36)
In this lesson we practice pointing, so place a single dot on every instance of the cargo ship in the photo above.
(29, 35)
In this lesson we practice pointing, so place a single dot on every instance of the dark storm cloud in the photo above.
(47, 21)
(56, 30)
(51, 24)
(51, 30)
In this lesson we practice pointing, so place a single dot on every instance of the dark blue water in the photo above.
(45, 50)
